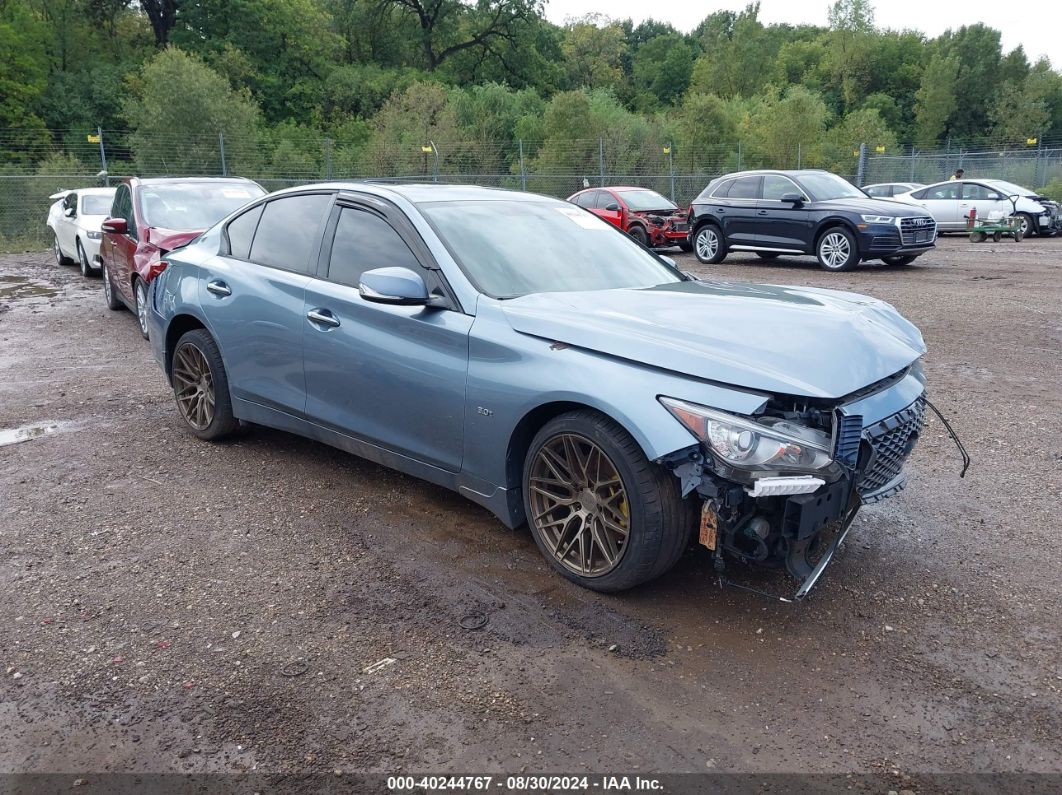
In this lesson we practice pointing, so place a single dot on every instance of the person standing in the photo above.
(958, 174)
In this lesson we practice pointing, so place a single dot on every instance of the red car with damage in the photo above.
(651, 219)
(150, 217)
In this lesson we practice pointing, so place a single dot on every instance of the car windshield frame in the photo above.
(249, 191)
(821, 180)
(87, 199)
(596, 237)
(1004, 187)
(667, 204)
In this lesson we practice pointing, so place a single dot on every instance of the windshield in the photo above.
(513, 248)
(193, 205)
(824, 187)
(95, 205)
(641, 200)
(1010, 188)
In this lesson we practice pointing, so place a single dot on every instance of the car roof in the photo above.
(797, 172)
(95, 191)
(186, 180)
(417, 193)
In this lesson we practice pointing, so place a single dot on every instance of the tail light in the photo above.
(156, 267)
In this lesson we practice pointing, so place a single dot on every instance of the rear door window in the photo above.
(775, 187)
(585, 199)
(288, 231)
(942, 192)
(364, 241)
(745, 188)
(241, 230)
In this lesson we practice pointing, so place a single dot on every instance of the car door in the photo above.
(782, 225)
(983, 199)
(123, 247)
(737, 211)
(66, 225)
(390, 375)
(252, 293)
(942, 202)
(602, 204)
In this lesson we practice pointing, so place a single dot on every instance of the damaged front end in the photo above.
(664, 227)
(781, 488)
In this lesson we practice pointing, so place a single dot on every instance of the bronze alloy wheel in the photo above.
(193, 386)
(579, 505)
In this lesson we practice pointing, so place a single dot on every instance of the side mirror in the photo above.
(116, 226)
(613, 207)
(393, 286)
(69, 212)
(792, 198)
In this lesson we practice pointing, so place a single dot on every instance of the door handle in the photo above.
(762, 212)
(218, 288)
(323, 317)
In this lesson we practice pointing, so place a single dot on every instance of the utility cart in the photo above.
(996, 226)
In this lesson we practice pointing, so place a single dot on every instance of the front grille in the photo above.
(885, 242)
(921, 230)
(891, 441)
(680, 226)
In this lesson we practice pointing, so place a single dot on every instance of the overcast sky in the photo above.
(1035, 26)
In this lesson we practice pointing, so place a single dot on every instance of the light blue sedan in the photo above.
(530, 356)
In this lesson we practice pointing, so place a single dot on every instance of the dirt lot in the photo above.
(170, 605)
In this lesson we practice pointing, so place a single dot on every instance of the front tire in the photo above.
(639, 234)
(140, 299)
(82, 258)
(686, 246)
(1028, 225)
(109, 296)
(837, 250)
(709, 245)
(601, 513)
(201, 387)
(900, 260)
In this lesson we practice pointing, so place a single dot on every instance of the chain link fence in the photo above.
(37, 164)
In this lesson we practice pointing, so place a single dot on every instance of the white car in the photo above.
(75, 221)
(950, 203)
(886, 190)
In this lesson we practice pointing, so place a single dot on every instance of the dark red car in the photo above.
(651, 219)
(150, 217)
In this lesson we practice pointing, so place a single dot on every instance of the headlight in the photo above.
(878, 219)
(770, 443)
(93, 235)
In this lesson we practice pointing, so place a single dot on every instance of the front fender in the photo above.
(511, 374)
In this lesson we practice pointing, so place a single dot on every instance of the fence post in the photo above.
(1003, 163)
(671, 169)
(221, 144)
(601, 158)
(911, 178)
(523, 172)
(798, 154)
(861, 168)
(103, 159)
(328, 157)
(739, 156)
(435, 151)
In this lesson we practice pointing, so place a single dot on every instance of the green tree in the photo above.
(178, 106)
(1018, 114)
(740, 61)
(863, 126)
(662, 67)
(852, 40)
(785, 126)
(23, 78)
(706, 133)
(594, 49)
(977, 50)
(936, 99)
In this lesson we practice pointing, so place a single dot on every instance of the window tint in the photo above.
(877, 190)
(586, 199)
(364, 241)
(123, 208)
(978, 192)
(288, 230)
(241, 231)
(775, 187)
(724, 190)
(949, 191)
(745, 188)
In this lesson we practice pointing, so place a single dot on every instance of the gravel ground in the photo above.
(271, 604)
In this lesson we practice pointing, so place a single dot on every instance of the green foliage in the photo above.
(785, 126)
(937, 99)
(178, 105)
(706, 132)
(594, 53)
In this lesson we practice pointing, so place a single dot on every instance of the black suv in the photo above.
(805, 212)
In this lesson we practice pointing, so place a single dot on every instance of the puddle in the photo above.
(28, 433)
(15, 287)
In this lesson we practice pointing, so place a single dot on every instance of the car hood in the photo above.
(767, 338)
(169, 239)
(870, 207)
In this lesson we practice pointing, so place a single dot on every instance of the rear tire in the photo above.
(82, 258)
(900, 260)
(709, 245)
(109, 296)
(201, 387)
(60, 258)
(584, 479)
(837, 250)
